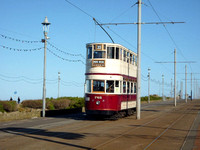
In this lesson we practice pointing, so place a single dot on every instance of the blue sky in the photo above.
(71, 29)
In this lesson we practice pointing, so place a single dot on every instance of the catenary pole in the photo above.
(138, 103)
(58, 84)
(163, 87)
(171, 88)
(175, 77)
(149, 85)
(186, 83)
(191, 87)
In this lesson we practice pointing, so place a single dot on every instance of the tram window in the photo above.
(136, 60)
(135, 88)
(98, 86)
(88, 85)
(124, 86)
(121, 87)
(116, 83)
(128, 57)
(128, 87)
(117, 53)
(117, 89)
(110, 86)
(104, 46)
(110, 52)
(131, 58)
(124, 55)
(131, 87)
(120, 56)
(89, 52)
(99, 54)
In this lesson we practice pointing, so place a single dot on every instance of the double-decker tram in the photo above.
(110, 79)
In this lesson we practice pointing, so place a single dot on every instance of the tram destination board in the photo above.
(98, 63)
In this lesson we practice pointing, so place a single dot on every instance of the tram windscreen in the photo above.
(98, 86)
(110, 86)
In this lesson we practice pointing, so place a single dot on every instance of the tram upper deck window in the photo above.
(117, 53)
(99, 54)
(131, 58)
(110, 86)
(110, 52)
(135, 60)
(120, 55)
(128, 57)
(124, 55)
(89, 52)
(98, 86)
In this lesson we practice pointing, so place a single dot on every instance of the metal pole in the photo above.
(191, 86)
(175, 77)
(149, 85)
(163, 87)
(44, 76)
(139, 60)
(171, 87)
(58, 84)
(186, 83)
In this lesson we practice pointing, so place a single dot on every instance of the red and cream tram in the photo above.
(110, 79)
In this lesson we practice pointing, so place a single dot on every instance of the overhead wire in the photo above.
(172, 39)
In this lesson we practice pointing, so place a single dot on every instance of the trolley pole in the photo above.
(149, 85)
(138, 103)
(58, 84)
(45, 29)
(175, 77)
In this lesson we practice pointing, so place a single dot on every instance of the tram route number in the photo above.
(98, 63)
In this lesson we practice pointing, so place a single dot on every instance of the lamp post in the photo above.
(45, 30)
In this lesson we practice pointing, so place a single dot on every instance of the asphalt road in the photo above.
(162, 126)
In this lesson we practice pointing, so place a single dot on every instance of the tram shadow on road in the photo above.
(83, 116)
(45, 135)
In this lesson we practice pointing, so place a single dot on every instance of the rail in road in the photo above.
(162, 126)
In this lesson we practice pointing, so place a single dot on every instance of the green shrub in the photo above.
(76, 102)
(8, 106)
(36, 104)
(50, 105)
(1, 108)
(61, 103)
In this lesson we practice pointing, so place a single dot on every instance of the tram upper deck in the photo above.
(109, 58)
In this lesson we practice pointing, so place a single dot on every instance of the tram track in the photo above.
(128, 131)
(170, 126)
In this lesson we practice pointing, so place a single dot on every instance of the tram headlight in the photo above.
(97, 102)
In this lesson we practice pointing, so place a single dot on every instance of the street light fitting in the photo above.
(46, 24)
